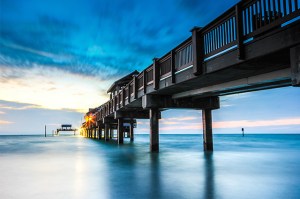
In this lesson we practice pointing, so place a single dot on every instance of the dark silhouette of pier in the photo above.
(254, 45)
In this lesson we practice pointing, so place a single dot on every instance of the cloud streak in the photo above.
(258, 123)
(4, 122)
(48, 88)
(173, 126)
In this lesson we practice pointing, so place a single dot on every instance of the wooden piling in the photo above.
(207, 130)
(154, 129)
(106, 131)
(120, 131)
(131, 131)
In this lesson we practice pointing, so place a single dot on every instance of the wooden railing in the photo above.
(165, 65)
(262, 15)
(140, 81)
(149, 75)
(220, 35)
(237, 26)
(184, 55)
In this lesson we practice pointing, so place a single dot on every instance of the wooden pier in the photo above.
(254, 45)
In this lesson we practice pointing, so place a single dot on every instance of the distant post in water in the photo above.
(243, 132)
(45, 131)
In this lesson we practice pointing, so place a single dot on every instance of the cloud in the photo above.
(177, 120)
(16, 106)
(173, 126)
(4, 122)
(1, 112)
(257, 123)
(45, 87)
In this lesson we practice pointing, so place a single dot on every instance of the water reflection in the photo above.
(209, 188)
(155, 177)
(72, 167)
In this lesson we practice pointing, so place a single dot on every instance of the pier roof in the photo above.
(123, 81)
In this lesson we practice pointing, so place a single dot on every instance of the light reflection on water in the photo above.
(255, 166)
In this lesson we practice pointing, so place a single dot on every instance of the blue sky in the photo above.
(58, 57)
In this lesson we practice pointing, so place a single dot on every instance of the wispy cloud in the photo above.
(169, 126)
(1, 112)
(4, 122)
(186, 118)
(26, 107)
(44, 87)
(177, 120)
(257, 123)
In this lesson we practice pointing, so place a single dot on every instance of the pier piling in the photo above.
(154, 129)
(106, 131)
(120, 131)
(131, 131)
(207, 130)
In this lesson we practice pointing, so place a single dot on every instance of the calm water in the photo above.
(67, 167)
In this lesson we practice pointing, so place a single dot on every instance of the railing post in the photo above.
(144, 82)
(173, 78)
(239, 32)
(155, 74)
(129, 93)
(134, 87)
(119, 100)
(115, 102)
(123, 97)
(197, 46)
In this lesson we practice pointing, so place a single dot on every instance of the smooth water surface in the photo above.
(71, 167)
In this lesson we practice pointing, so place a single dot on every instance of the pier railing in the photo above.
(241, 24)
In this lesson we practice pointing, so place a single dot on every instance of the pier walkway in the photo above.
(254, 45)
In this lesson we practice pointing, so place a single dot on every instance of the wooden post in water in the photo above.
(100, 133)
(120, 131)
(111, 130)
(45, 131)
(207, 130)
(106, 131)
(154, 130)
(131, 131)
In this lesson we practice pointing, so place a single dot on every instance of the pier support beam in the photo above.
(154, 129)
(111, 133)
(295, 65)
(120, 131)
(131, 131)
(106, 131)
(207, 130)
(99, 133)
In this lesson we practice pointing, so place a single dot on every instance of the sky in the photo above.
(58, 58)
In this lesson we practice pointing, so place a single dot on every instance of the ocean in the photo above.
(74, 167)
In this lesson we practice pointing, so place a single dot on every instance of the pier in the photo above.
(254, 45)
(65, 127)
